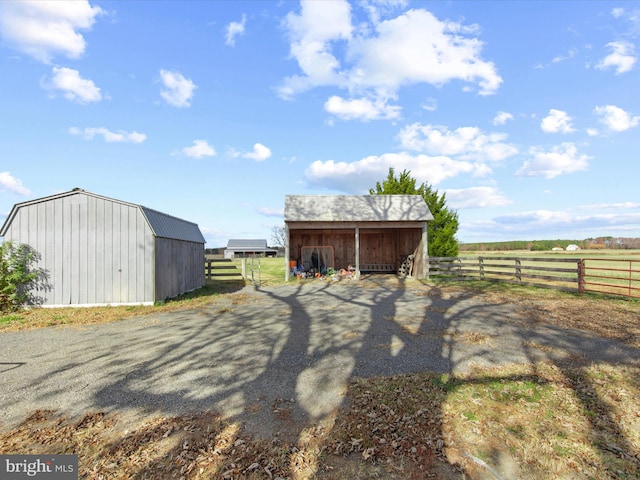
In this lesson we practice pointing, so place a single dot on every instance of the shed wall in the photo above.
(95, 251)
(343, 242)
(386, 246)
(377, 245)
(179, 267)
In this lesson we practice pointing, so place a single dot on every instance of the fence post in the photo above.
(518, 270)
(581, 276)
(481, 267)
(209, 269)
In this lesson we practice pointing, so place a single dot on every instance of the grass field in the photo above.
(607, 263)
(605, 271)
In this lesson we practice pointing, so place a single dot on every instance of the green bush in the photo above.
(18, 277)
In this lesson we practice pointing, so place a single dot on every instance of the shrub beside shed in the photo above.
(367, 232)
(97, 250)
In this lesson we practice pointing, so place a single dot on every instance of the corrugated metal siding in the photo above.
(94, 249)
(167, 226)
(179, 267)
(355, 208)
(98, 250)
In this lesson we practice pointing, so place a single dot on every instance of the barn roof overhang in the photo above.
(356, 208)
(351, 225)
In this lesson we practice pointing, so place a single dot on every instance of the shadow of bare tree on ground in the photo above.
(286, 363)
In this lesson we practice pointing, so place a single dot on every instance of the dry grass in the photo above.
(545, 421)
(610, 317)
(47, 317)
(526, 422)
(536, 421)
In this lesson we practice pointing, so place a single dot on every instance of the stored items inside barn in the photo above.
(367, 233)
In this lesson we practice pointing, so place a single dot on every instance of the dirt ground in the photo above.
(267, 372)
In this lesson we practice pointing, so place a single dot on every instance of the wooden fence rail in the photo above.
(531, 271)
(598, 275)
(222, 269)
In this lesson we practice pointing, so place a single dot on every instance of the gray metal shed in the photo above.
(368, 232)
(101, 251)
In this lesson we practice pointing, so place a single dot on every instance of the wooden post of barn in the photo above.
(287, 253)
(357, 272)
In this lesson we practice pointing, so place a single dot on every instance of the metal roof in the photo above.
(167, 226)
(248, 245)
(356, 208)
(162, 225)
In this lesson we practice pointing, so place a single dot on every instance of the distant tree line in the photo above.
(544, 245)
(535, 245)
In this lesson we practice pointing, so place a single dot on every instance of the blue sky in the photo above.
(527, 114)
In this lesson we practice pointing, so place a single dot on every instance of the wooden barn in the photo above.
(370, 233)
(101, 251)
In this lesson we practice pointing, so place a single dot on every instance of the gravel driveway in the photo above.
(260, 352)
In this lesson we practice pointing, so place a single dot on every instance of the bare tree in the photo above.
(278, 236)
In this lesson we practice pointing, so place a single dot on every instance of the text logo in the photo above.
(49, 467)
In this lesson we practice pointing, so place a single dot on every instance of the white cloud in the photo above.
(178, 90)
(44, 29)
(72, 86)
(466, 142)
(502, 117)
(617, 12)
(199, 149)
(433, 51)
(554, 220)
(612, 206)
(559, 160)
(581, 221)
(235, 29)
(561, 58)
(12, 184)
(536, 217)
(311, 33)
(111, 137)
(361, 175)
(622, 58)
(476, 197)
(361, 109)
(259, 153)
(379, 8)
(615, 118)
(592, 132)
(430, 104)
(557, 122)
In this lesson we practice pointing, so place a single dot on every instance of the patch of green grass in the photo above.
(470, 416)
(271, 270)
(513, 391)
(7, 319)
